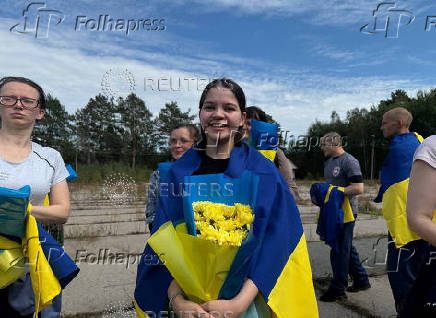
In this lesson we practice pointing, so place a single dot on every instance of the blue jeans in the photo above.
(22, 300)
(403, 265)
(345, 260)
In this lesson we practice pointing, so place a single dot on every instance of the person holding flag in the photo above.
(405, 248)
(343, 170)
(28, 167)
(421, 212)
(270, 275)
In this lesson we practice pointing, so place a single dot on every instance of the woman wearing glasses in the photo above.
(23, 162)
(181, 139)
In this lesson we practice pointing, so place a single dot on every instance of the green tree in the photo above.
(56, 129)
(137, 127)
(98, 132)
(170, 117)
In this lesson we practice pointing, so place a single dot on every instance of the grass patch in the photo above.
(98, 173)
(367, 206)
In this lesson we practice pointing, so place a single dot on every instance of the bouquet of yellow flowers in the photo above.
(221, 223)
(207, 251)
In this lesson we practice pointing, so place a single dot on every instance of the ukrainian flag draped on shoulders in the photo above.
(395, 175)
(277, 260)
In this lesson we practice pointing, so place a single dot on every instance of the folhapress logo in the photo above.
(37, 19)
(105, 22)
(388, 20)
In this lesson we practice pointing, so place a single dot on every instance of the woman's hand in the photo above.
(224, 308)
(188, 309)
(235, 307)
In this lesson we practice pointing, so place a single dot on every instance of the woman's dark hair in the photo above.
(256, 113)
(239, 95)
(225, 83)
(194, 133)
(9, 79)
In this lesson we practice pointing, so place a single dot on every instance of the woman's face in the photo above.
(247, 128)
(180, 142)
(220, 115)
(17, 114)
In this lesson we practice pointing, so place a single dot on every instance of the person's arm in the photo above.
(152, 197)
(59, 209)
(354, 177)
(421, 200)
(183, 307)
(238, 305)
(354, 189)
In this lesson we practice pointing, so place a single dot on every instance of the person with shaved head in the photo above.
(343, 170)
(406, 249)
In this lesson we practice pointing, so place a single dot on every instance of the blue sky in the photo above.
(298, 60)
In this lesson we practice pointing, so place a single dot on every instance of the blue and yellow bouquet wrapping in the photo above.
(264, 138)
(210, 266)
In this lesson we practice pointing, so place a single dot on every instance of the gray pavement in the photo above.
(106, 243)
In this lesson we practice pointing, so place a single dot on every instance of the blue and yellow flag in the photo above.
(279, 266)
(335, 210)
(51, 269)
(395, 175)
(264, 137)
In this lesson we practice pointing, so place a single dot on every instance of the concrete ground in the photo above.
(106, 242)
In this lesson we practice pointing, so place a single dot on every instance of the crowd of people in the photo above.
(271, 274)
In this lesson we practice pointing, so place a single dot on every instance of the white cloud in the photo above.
(318, 12)
(70, 66)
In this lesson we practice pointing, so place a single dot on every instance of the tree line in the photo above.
(124, 131)
(363, 137)
(107, 131)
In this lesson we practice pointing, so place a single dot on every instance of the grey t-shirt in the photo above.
(42, 169)
(337, 171)
(427, 151)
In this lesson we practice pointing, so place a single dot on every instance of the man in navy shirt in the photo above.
(342, 169)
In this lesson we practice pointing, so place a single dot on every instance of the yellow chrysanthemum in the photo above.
(221, 223)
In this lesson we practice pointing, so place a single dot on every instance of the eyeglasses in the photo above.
(182, 141)
(27, 103)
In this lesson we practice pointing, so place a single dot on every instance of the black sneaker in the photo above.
(358, 287)
(330, 296)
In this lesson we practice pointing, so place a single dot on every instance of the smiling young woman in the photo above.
(222, 117)
(277, 230)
